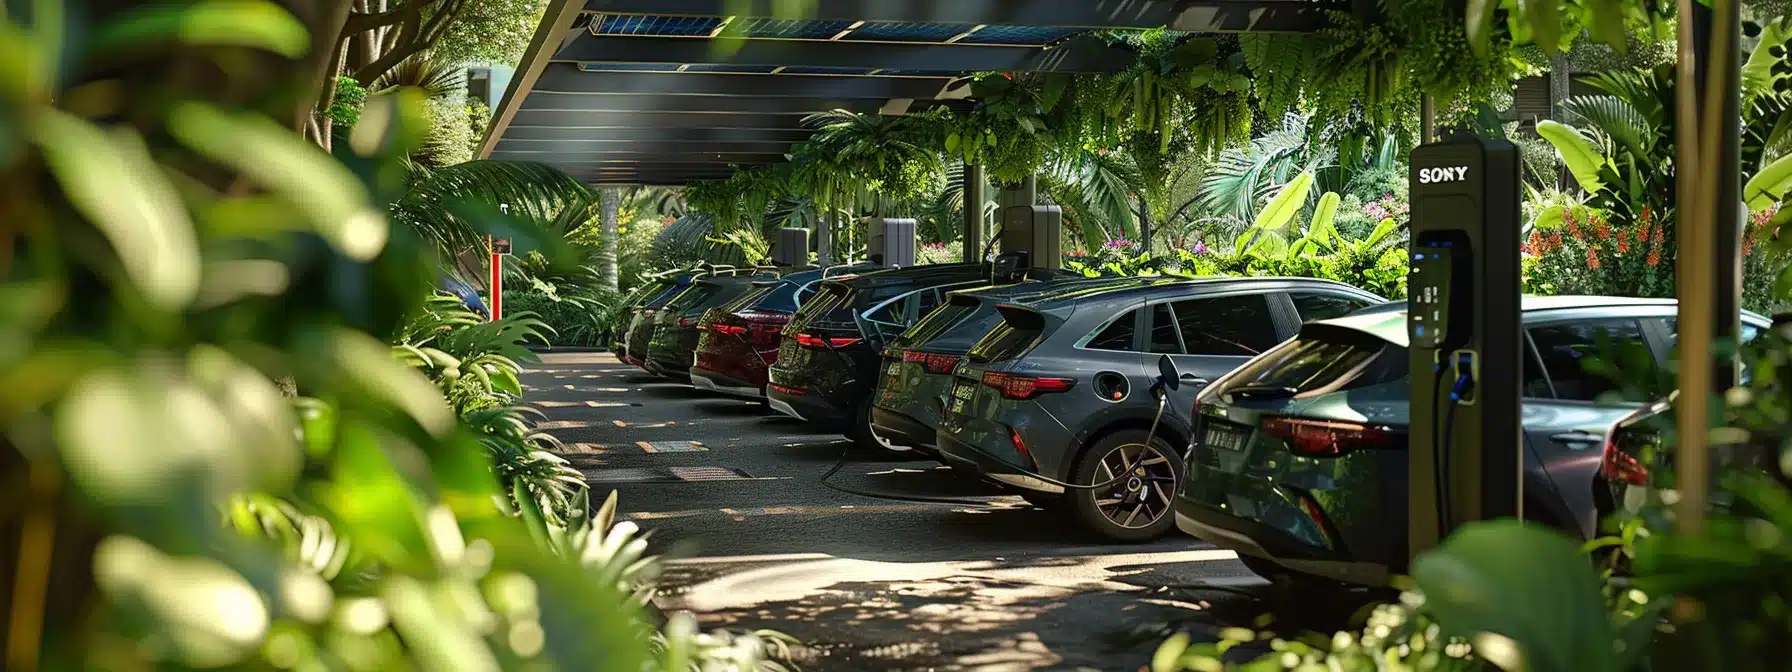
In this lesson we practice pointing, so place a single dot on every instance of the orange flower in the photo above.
(1642, 233)
(1645, 216)
(1592, 259)
(1601, 227)
(1573, 225)
(1654, 256)
(1535, 244)
(1555, 240)
(1623, 241)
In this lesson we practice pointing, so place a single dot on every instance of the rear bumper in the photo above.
(991, 468)
(900, 430)
(1255, 539)
(809, 408)
(704, 379)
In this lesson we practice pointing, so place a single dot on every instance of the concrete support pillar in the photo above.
(609, 205)
(972, 235)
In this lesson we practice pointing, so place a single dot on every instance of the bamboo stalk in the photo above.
(1696, 180)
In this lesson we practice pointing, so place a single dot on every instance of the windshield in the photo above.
(747, 298)
(665, 292)
(1322, 361)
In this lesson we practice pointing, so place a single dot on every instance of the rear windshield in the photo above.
(1323, 360)
(693, 297)
(935, 323)
(746, 299)
(1017, 333)
(780, 298)
(663, 294)
(828, 300)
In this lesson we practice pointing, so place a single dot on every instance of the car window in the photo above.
(1314, 306)
(1163, 331)
(781, 298)
(1566, 350)
(936, 322)
(1749, 331)
(1238, 326)
(1117, 335)
(894, 312)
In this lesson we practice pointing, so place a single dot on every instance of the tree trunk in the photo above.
(609, 203)
(1144, 224)
(1560, 79)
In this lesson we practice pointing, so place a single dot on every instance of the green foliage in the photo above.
(345, 106)
(489, 31)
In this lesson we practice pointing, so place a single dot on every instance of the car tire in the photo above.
(865, 440)
(1096, 510)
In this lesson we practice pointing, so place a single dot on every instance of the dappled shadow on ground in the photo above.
(1060, 612)
(730, 407)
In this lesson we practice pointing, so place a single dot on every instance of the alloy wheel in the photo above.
(1144, 495)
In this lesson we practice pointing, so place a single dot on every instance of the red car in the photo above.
(739, 341)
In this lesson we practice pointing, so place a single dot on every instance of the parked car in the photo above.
(674, 341)
(738, 341)
(828, 360)
(640, 327)
(1336, 508)
(469, 297)
(631, 303)
(918, 364)
(1058, 393)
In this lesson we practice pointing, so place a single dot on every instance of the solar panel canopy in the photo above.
(675, 91)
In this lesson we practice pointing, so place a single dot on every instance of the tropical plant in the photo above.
(445, 205)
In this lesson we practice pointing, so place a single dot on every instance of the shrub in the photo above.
(574, 323)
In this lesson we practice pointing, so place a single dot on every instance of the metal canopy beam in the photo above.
(658, 119)
(750, 104)
(1082, 55)
(620, 133)
(1214, 15)
(644, 146)
(568, 78)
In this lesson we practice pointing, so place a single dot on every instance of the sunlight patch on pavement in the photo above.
(564, 424)
(605, 404)
(1000, 581)
(586, 448)
(733, 559)
(671, 446)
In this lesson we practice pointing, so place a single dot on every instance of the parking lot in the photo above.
(987, 583)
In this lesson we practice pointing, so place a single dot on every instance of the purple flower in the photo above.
(1200, 248)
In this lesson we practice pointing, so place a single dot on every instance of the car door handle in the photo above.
(1577, 437)
(1192, 378)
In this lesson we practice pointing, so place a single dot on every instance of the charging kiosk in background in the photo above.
(890, 241)
(1032, 241)
(1464, 326)
(790, 250)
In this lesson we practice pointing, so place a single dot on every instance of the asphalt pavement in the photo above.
(732, 493)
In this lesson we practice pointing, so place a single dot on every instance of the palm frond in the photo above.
(1617, 119)
(535, 193)
(438, 79)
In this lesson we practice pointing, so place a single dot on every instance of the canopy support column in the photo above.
(972, 235)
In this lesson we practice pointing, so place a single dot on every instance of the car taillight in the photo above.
(687, 322)
(728, 329)
(785, 389)
(1015, 386)
(1020, 445)
(932, 361)
(1617, 466)
(813, 341)
(1324, 438)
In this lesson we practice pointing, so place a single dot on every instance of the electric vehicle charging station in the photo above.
(1032, 240)
(1464, 325)
(790, 250)
(890, 241)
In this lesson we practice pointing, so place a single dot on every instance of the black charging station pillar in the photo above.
(890, 241)
(1464, 329)
(1036, 229)
(790, 250)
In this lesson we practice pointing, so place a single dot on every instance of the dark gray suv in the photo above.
(1060, 392)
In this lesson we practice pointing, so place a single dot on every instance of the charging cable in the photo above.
(1439, 472)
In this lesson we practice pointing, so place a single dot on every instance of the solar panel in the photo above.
(637, 24)
(825, 71)
(1018, 35)
(628, 67)
(909, 32)
(789, 30)
(921, 73)
(733, 69)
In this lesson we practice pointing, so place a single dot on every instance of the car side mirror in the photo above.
(1167, 374)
